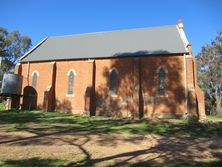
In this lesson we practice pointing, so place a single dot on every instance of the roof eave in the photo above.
(110, 57)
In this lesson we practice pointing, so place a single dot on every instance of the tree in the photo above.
(210, 74)
(12, 47)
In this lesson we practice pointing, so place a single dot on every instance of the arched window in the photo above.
(35, 76)
(71, 79)
(113, 77)
(162, 86)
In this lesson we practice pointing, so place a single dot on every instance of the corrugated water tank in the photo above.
(11, 84)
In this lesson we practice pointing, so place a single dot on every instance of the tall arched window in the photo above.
(113, 76)
(162, 86)
(35, 75)
(71, 80)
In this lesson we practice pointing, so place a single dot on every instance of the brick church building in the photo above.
(139, 73)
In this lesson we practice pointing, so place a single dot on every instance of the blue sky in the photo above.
(41, 18)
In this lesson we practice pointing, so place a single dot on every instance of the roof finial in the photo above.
(180, 23)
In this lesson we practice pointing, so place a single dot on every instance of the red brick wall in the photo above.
(44, 80)
(193, 86)
(112, 105)
(174, 100)
(82, 80)
(129, 100)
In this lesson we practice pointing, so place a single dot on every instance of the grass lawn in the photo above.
(36, 138)
(215, 118)
(1, 106)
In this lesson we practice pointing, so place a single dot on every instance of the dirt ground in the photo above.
(88, 149)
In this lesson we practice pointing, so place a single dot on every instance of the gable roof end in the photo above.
(35, 47)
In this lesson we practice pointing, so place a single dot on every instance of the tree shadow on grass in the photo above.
(38, 162)
(33, 162)
(42, 123)
(10, 117)
(175, 142)
(167, 152)
(214, 163)
(24, 116)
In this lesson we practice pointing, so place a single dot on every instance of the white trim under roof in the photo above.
(27, 53)
(183, 37)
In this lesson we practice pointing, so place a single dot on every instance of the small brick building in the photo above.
(147, 72)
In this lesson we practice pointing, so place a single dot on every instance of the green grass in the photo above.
(32, 162)
(215, 118)
(2, 107)
(48, 122)
(213, 163)
(37, 162)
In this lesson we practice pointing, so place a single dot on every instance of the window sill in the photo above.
(161, 96)
(114, 96)
(70, 95)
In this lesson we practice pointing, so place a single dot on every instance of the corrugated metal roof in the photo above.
(135, 42)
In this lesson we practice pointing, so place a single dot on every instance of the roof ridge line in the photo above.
(100, 32)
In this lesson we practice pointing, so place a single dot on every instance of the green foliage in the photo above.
(12, 47)
(210, 74)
